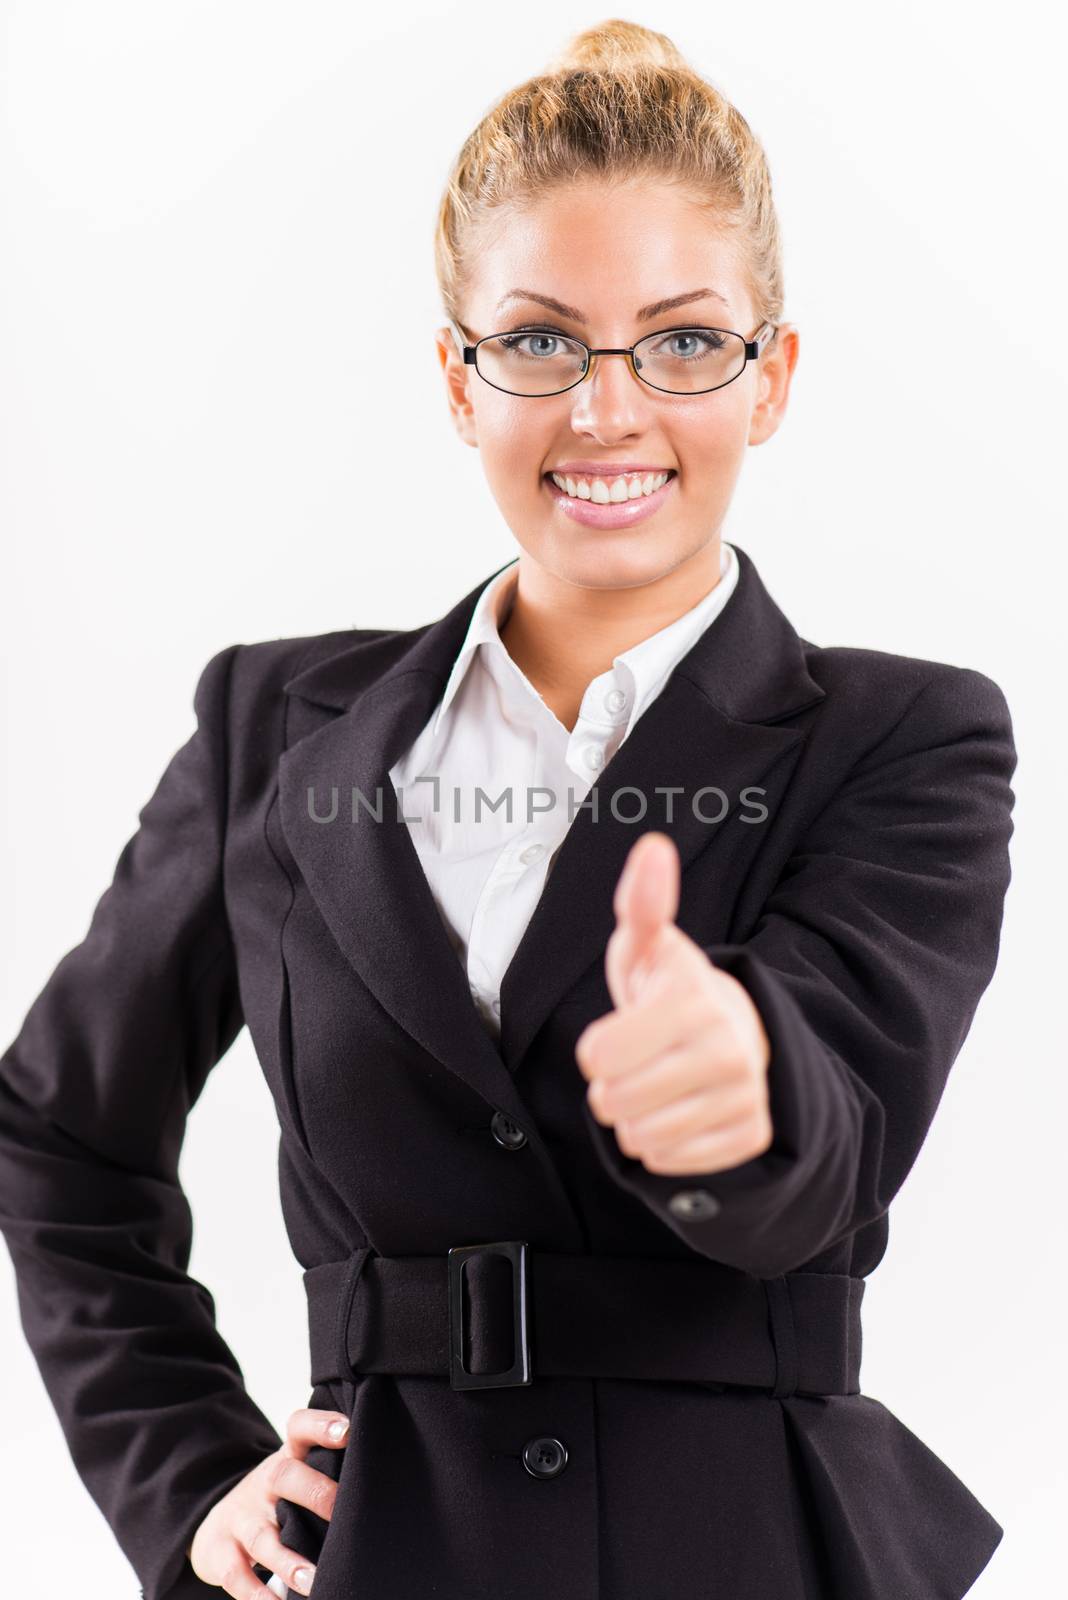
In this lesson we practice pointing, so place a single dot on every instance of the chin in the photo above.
(622, 561)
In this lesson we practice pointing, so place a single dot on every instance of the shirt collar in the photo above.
(491, 611)
(649, 662)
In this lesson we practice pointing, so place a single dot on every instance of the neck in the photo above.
(562, 636)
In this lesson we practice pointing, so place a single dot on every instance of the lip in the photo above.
(613, 515)
(604, 469)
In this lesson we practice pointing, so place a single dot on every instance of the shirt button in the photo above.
(496, 1007)
(593, 756)
(615, 701)
(693, 1203)
(533, 852)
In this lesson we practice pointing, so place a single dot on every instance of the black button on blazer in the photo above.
(692, 1421)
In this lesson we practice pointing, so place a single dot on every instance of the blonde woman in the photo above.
(592, 1103)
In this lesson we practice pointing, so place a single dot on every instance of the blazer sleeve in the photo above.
(866, 964)
(94, 1095)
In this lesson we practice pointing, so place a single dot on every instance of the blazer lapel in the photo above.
(714, 727)
(715, 723)
(365, 874)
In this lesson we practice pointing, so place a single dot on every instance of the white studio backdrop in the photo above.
(223, 419)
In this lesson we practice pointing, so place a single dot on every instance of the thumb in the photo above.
(646, 902)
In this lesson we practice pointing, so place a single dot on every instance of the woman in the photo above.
(591, 1109)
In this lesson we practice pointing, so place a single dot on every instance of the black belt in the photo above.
(567, 1316)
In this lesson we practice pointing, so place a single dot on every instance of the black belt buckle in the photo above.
(519, 1372)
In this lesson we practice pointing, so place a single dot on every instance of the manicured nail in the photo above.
(303, 1578)
(338, 1430)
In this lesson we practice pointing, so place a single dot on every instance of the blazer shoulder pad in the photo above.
(264, 666)
(880, 686)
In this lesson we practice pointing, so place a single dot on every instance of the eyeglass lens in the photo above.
(681, 361)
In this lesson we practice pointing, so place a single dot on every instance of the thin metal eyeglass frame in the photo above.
(754, 347)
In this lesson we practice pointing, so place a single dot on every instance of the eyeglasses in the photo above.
(540, 361)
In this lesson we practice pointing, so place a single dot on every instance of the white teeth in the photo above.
(611, 491)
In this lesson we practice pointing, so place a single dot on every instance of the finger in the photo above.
(715, 1151)
(265, 1547)
(646, 901)
(239, 1580)
(292, 1479)
(673, 1074)
(648, 892)
(683, 1116)
(681, 999)
(309, 1426)
(622, 1042)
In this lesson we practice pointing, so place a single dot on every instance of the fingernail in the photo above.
(337, 1430)
(303, 1578)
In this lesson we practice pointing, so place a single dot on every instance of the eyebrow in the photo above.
(644, 313)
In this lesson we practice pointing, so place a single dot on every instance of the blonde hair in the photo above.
(619, 102)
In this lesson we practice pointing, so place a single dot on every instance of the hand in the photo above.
(242, 1528)
(679, 1068)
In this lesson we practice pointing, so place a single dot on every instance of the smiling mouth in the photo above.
(612, 488)
(644, 498)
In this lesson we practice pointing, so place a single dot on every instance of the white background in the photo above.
(212, 216)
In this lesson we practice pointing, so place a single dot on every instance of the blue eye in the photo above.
(706, 341)
(514, 341)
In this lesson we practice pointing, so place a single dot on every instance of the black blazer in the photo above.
(650, 1388)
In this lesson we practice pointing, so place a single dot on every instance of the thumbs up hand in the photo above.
(679, 1067)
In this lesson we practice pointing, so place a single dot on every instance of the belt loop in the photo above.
(344, 1308)
(782, 1335)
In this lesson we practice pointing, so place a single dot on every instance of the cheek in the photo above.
(513, 440)
(711, 439)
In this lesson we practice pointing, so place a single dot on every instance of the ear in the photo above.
(775, 368)
(457, 386)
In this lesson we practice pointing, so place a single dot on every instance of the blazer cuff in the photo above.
(773, 1213)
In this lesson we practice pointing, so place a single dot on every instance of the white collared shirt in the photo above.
(493, 732)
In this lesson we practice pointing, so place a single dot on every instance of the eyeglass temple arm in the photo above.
(467, 351)
(760, 340)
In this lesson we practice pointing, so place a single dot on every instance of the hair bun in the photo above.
(619, 100)
(616, 46)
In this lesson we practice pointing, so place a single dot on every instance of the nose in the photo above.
(611, 400)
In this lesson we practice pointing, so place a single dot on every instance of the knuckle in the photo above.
(321, 1496)
(279, 1472)
(702, 1004)
(701, 1018)
(750, 1140)
(250, 1527)
(607, 1098)
(588, 1046)
(755, 1082)
(766, 1133)
(234, 1574)
(736, 1064)
(260, 1539)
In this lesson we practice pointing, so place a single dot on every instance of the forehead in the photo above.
(606, 250)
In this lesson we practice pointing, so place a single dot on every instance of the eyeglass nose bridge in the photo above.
(591, 361)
